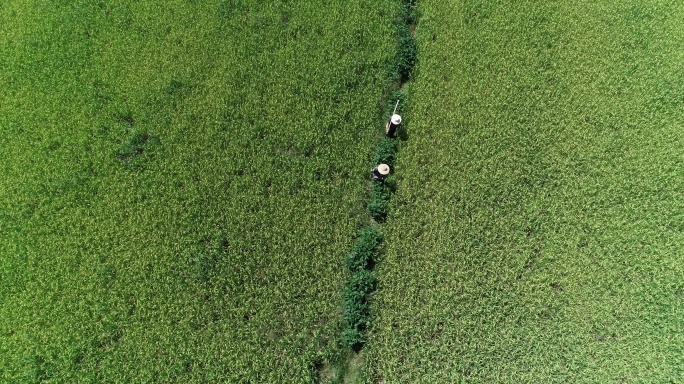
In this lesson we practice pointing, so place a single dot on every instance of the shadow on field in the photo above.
(403, 134)
(132, 152)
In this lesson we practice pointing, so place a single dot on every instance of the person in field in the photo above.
(380, 172)
(392, 125)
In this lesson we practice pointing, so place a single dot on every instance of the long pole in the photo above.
(395, 107)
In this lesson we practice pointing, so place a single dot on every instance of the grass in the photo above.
(535, 232)
(181, 184)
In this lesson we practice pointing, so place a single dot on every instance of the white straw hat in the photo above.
(396, 119)
(383, 169)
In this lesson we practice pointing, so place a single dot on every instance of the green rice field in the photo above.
(536, 235)
(182, 182)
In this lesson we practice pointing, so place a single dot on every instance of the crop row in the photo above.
(364, 255)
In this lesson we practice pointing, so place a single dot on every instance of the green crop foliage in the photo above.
(364, 253)
(353, 338)
(181, 182)
(407, 49)
(355, 306)
(379, 199)
(391, 102)
(362, 258)
(385, 151)
(536, 233)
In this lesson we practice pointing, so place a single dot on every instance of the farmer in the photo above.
(392, 125)
(380, 172)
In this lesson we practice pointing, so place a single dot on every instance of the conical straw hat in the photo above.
(383, 169)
